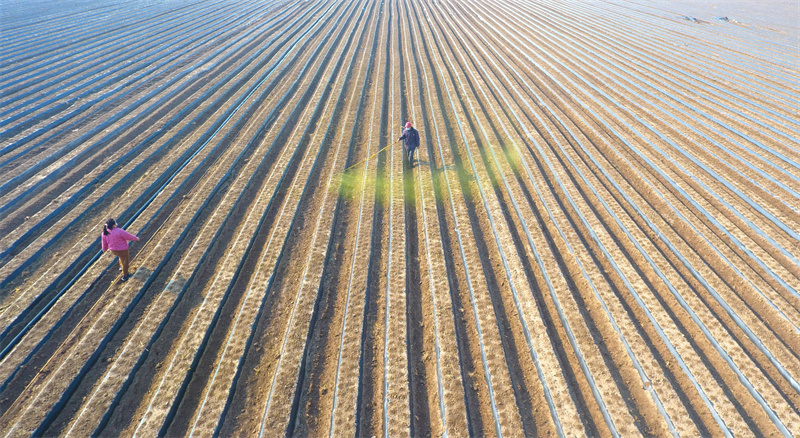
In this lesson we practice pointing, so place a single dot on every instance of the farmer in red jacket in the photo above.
(116, 240)
(410, 143)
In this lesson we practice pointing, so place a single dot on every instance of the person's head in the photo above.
(110, 224)
(408, 125)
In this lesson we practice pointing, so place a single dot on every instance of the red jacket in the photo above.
(117, 239)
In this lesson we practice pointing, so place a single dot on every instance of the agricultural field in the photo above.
(599, 234)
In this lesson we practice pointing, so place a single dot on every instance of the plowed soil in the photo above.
(599, 234)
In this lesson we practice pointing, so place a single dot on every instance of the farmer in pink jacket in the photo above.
(116, 239)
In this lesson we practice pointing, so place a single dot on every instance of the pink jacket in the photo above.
(117, 239)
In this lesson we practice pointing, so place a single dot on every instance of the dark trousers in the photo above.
(410, 155)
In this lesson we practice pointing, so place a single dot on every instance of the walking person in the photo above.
(116, 239)
(410, 139)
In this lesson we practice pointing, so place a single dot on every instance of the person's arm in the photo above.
(402, 137)
(129, 236)
(104, 242)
